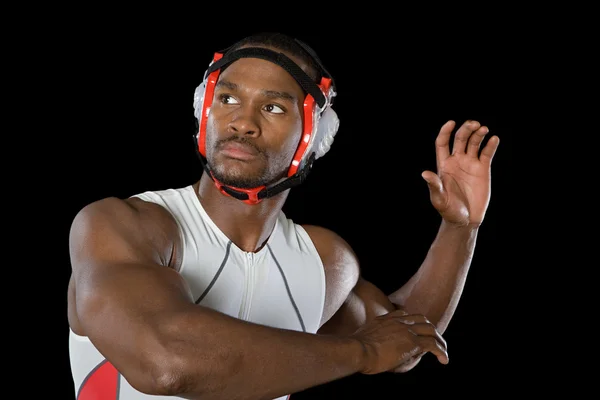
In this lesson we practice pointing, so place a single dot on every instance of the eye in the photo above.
(275, 109)
(227, 99)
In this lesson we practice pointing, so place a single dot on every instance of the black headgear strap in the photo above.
(303, 80)
(280, 59)
(287, 183)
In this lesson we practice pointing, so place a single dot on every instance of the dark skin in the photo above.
(127, 296)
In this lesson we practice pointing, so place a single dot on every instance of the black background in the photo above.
(124, 123)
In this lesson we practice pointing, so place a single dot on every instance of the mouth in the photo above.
(238, 151)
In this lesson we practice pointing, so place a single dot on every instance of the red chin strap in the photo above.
(314, 99)
(252, 194)
(256, 195)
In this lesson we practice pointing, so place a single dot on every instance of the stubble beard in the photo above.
(238, 178)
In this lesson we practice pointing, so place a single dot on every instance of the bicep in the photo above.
(122, 283)
(365, 302)
(351, 300)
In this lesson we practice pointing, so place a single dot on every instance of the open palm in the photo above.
(460, 191)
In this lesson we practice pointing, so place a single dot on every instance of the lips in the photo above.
(238, 151)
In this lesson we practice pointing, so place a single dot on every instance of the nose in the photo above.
(244, 122)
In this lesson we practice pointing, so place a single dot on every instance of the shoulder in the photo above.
(341, 265)
(139, 223)
(334, 250)
(133, 210)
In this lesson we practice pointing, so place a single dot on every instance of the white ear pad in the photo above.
(327, 125)
(199, 99)
(327, 128)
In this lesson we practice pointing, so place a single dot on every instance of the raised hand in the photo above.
(392, 339)
(460, 191)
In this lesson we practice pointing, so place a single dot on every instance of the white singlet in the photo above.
(282, 285)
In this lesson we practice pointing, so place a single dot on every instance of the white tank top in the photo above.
(282, 285)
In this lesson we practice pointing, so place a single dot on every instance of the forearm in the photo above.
(164, 344)
(435, 289)
(214, 356)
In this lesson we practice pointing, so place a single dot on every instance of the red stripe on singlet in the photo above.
(102, 383)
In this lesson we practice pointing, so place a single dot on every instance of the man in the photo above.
(210, 292)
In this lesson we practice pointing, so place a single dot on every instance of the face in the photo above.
(255, 123)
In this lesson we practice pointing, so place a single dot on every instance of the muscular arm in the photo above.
(351, 300)
(433, 291)
(140, 314)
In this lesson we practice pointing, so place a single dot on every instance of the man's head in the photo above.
(258, 110)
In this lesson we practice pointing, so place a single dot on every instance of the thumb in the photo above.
(435, 187)
(433, 181)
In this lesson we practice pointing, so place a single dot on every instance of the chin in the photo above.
(238, 177)
(241, 183)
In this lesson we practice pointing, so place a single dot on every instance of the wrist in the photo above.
(467, 227)
(357, 351)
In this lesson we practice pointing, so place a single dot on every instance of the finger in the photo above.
(430, 344)
(436, 189)
(399, 311)
(421, 326)
(442, 142)
(462, 136)
(475, 141)
(417, 318)
(434, 181)
(487, 154)
(409, 364)
(413, 319)
(427, 329)
(394, 314)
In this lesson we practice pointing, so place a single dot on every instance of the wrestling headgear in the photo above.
(319, 127)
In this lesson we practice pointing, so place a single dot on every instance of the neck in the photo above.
(248, 226)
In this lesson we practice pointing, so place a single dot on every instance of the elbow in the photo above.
(185, 369)
(167, 380)
(177, 377)
(161, 372)
(160, 375)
